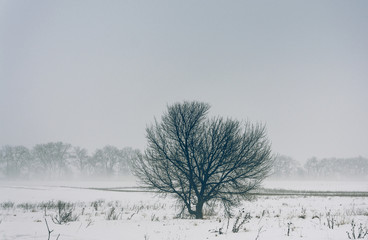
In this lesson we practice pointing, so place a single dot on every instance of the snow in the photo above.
(317, 185)
(142, 215)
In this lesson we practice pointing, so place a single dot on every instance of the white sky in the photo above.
(93, 73)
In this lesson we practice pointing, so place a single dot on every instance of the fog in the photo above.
(95, 74)
(56, 161)
(80, 82)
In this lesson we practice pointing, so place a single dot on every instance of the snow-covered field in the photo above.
(97, 214)
(317, 185)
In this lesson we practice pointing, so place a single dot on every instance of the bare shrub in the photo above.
(303, 214)
(50, 231)
(96, 204)
(330, 220)
(27, 206)
(155, 218)
(112, 214)
(7, 205)
(289, 228)
(240, 220)
(359, 234)
(64, 213)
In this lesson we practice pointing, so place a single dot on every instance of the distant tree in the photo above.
(361, 166)
(312, 167)
(106, 160)
(52, 158)
(128, 156)
(337, 168)
(81, 160)
(2, 164)
(285, 166)
(201, 159)
(15, 161)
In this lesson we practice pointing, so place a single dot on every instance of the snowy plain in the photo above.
(105, 214)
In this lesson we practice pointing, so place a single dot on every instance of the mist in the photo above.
(328, 169)
(61, 161)
(95, 74)
(80, 82)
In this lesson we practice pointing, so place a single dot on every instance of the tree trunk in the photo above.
(199, 210)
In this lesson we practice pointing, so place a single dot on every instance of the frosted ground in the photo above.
(101, 214)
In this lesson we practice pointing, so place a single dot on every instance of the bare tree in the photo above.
(16, 161)
(105, 160)
(81, 160)
(201, 159)
(128, 155)
(52, 158)
(286, 167)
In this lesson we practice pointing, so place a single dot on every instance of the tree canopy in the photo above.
(201, 159)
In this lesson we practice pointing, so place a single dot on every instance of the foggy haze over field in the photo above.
(95, 73)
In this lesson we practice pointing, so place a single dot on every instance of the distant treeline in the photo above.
(56, 160)
(327, 168)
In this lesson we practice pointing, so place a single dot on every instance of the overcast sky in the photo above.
(93, 73)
